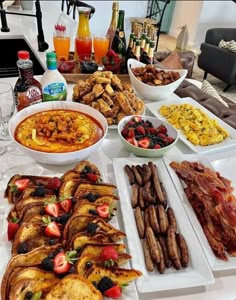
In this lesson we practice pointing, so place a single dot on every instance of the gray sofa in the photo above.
(217, 61)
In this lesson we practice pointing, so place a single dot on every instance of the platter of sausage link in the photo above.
(209, 199)
(159, 233)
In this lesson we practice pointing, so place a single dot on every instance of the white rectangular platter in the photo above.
(230, 142)
(198, 272)
(128, 293)
(215, 263)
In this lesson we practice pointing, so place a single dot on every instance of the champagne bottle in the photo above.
(119, 42)
(130, 46)
(137, 50)
(113, 25)
(143, 41)
(151, 52)
(144, 57)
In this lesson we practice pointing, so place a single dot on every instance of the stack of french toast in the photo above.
(63, 246)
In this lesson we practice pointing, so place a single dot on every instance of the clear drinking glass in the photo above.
(101, 45)
(7, 108)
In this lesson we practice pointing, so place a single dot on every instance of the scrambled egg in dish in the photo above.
(198, 128)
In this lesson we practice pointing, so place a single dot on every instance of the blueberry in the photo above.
(92, 228)
(39, 192)
(47, 264)
(105, 284)
(22, 248)
(28, 296)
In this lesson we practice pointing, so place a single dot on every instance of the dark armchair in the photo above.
(217, 61)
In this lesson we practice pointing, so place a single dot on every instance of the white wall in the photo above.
(215, 14)
(201, 15)
(186, 12)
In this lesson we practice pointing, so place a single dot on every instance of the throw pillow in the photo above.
(210, 90)
(173, 61)
(230, 45)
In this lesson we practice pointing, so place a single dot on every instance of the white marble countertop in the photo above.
(224, 286)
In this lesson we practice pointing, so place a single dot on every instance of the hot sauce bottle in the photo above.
(27, 89)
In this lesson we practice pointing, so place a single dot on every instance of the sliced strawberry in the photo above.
(151, 130)
(52, 209)
(144, 142)
(11, 230)
(63, 261)
(137, 119)
(21, 184)
(162, 129)
(103, 211)
(168, 140)
(114, 292)
(52, 228)
(125, 131)
(140, 130)
(131, 133)
(66, 205)
(92, 177)
(109, 252)
(130, 123)
(157, 146)
(54, 183)
(132, 141)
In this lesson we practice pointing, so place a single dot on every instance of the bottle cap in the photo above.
(23, 54)
(51, 60)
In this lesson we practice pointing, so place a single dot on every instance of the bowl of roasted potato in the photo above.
(58, 132)
(147, 136)
(151, 83)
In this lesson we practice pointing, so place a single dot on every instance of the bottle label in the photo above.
(121, 34)
(54, 91)
(31, 96)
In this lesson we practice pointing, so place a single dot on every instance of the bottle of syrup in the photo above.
(27, 89)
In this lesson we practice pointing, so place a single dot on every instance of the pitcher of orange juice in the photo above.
(83, 40)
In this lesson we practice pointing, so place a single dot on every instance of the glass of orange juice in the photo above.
(100, 45)
(61, 41)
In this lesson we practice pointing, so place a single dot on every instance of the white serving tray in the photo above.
(198, 272)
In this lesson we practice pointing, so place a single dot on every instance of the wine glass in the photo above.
(7, 108)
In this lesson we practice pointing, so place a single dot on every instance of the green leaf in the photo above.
(71, 256)
(64, 197)
(46, 220)
(13, 188)
(53, 199)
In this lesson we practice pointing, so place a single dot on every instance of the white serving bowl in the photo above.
(138, 151)
(149, 92)
(58, 158)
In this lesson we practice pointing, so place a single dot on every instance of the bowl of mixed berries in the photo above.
(147, 136)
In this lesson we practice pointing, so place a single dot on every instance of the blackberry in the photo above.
(63, 218)
(47, 264)
(22, 248)
(92, 228)
(29, 295)
(92, 197)
(93, 212)
(39, 191)
(105, 284)
(52, 242)
(88, 264)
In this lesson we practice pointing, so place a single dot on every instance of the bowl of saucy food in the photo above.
(152, 83)
(58, 132)
(147, 136)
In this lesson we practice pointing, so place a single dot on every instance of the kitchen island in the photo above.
(14, 161)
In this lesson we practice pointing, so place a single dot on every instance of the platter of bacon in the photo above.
(210, 202)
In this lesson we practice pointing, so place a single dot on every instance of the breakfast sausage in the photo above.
(184, 255)
(147, 173)
(153, 219)
(130, 174)
(137, 175)
(173, 248)
(147, 256)
(140, 198)
(139, 221)
(165, 252)
(171, 218)
(147, 197)
(161, 266)
(156, 182)
(162, 218)
(152, 243)
(134, 195)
